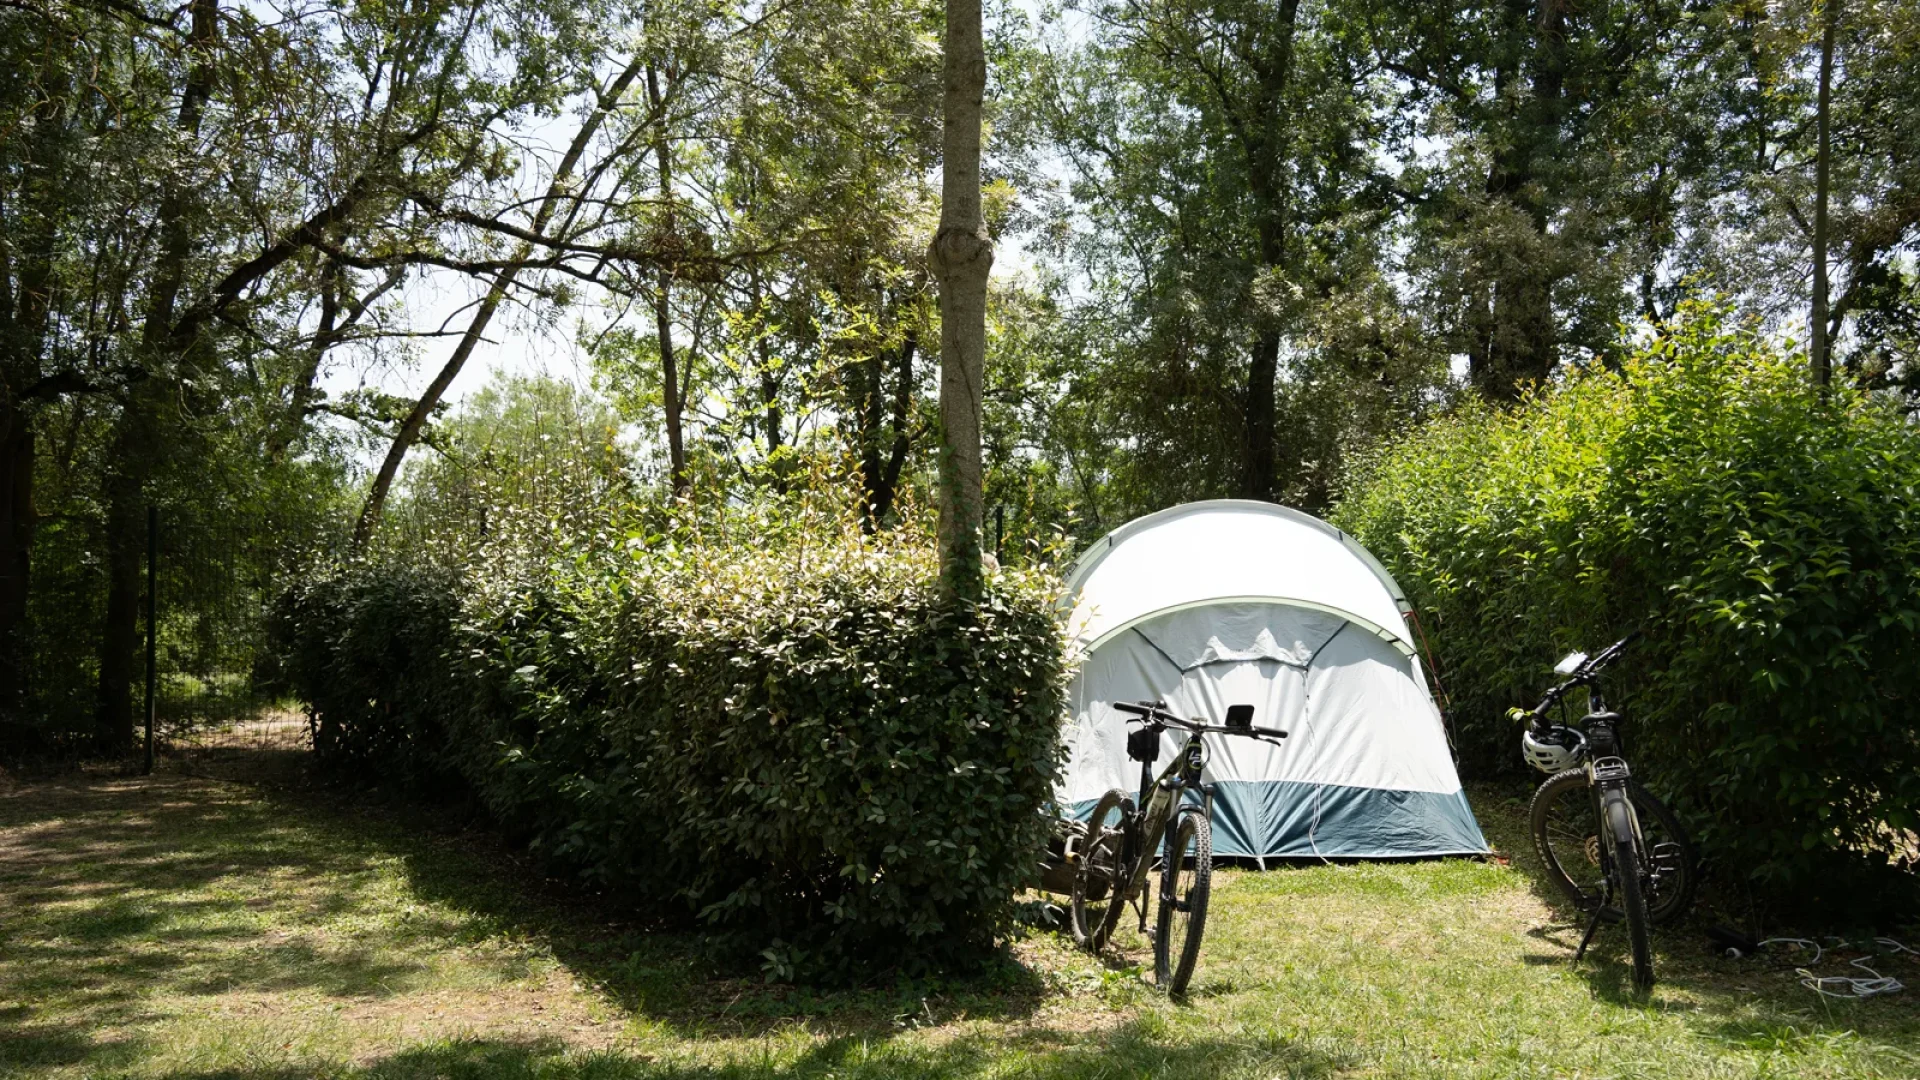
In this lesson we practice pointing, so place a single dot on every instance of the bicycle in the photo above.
(1590, 816)
(1115, 854)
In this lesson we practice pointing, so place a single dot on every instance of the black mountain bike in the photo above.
(1609, 845)
(1115, 855)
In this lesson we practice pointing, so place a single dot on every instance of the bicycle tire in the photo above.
(1094, 909)
(1182, 923)
(1626, 862)
(1563, 824)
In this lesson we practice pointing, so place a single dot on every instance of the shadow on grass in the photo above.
(1756, 994)
(1502, 811)
(1131, 1051)
(130, 889)
(652, 968)
(117, 893)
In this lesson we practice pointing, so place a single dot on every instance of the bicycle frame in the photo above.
(1158, 801)
(1607, 772)
(1607, 784)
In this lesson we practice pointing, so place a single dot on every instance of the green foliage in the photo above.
(761, 718)
(521, 445)
(1217, 226)
(365, 648)
(1762, 534)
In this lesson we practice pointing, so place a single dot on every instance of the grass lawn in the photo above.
(182, 927)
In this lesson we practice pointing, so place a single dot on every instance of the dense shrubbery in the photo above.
(782, 727)
(364, 648)
(1767, 539)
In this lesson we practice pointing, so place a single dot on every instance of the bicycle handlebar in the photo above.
(1588, 670)
(1156, 711)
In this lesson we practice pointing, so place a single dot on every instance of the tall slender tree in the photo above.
(962, 260)
(1819, 347)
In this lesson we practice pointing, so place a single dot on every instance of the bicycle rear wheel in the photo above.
(1567, 835)
(1095, 908)
(1186, 878)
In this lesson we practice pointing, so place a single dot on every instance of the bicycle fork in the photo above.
(1615, 811)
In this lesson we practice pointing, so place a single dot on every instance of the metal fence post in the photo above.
(153, 588)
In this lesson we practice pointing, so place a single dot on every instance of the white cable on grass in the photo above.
(1842, 986)
(1846, 986)
(1808, 942)
(1889, 943)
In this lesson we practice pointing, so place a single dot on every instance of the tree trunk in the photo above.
(962, 259)
(1818, 344)
(902, 431)
(335, 325)
(303, 387)
(1264, 143)
(137, 443)
(773, 418)
(1263, 372)
(24, 317)
(869, 411)
(135, 446)
(1519, 331)
(881, 476)
(663, 307)
(16, 555)
(416, 420)
(670, 385)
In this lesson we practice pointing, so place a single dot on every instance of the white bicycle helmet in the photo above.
(1551, 750)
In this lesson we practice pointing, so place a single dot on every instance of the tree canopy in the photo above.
(1237, 242)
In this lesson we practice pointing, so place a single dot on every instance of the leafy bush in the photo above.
(1764, 535)
(790, 735)
(364, 647)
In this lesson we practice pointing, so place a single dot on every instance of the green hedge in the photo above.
(364, 646)
(793, 737)
(1765, 536)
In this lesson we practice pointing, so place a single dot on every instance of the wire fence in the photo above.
(211, 593)
(208, 584)
(217, 686)
(246, 746)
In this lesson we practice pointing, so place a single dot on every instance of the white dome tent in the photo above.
(1228, 602)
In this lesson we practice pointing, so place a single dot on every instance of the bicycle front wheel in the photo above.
(1185, 879)
(1633, 900)
(1566, 833)
(1096, 906)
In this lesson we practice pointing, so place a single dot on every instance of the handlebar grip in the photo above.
(1270, 732)
(1130, 707)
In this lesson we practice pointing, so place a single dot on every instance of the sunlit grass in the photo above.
(186, 928)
